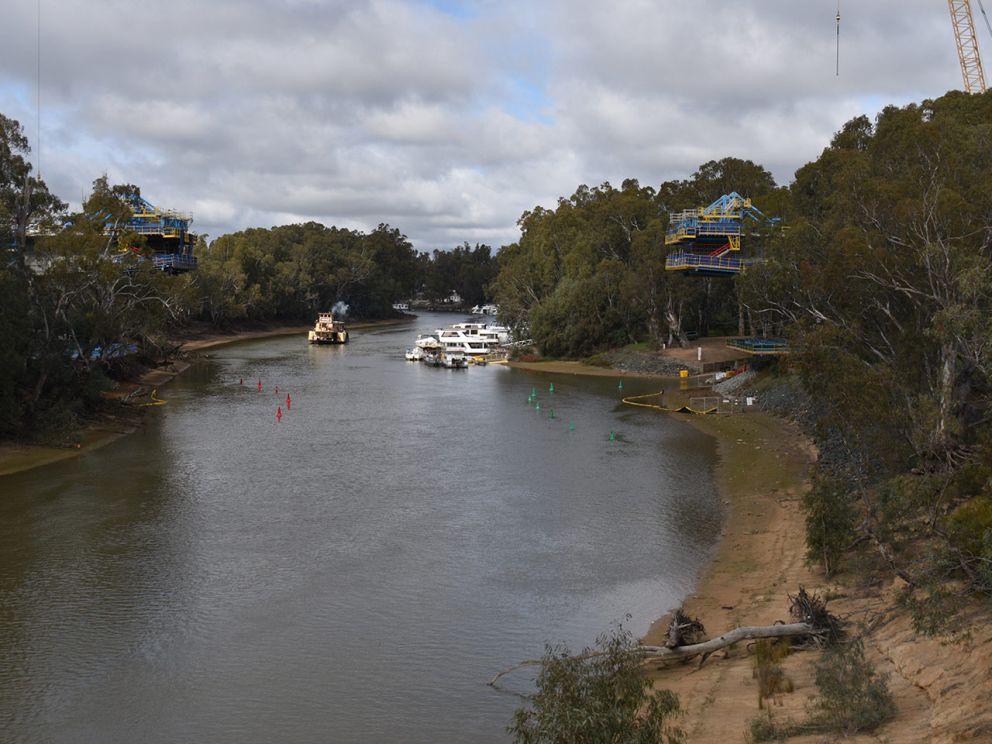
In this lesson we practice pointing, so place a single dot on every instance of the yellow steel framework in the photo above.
(967, 41)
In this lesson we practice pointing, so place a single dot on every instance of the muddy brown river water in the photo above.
(354, 573)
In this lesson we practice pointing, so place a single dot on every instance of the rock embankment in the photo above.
(641, 362)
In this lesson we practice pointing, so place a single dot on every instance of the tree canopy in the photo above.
(590, 274)
(883, 282)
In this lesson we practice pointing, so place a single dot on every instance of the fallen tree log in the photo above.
(747, 633)
(704, 649)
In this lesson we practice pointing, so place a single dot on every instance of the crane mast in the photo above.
(967, 41)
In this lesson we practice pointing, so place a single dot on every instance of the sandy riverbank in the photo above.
(15, 458)
(940, 685)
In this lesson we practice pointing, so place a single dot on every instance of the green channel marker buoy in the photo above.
(533, 391)
(620, 385)
(551, 388)
(538, 408)
(613, 437)
(571, 426)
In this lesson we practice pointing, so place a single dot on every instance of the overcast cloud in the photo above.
(445, 119)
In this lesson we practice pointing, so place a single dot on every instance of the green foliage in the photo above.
(830, 521)
(881, 280)
(292, 272)
(970, 525)
(714, 179)
(465, 270)
(590, 274)
(55, 421)
(24, 199)
(600, 696)
(932, 606)
(883, 269)
(853, 696)
(766, 728)
(15, 334)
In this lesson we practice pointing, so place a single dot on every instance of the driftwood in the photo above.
(812, 610)
(747, 633)
(683, 630)
(704, 649)
(136, 393)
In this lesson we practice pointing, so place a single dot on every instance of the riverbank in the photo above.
(764, 465)
(15, 457)
(939, 685)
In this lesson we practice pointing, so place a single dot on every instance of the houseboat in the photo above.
(474, 339)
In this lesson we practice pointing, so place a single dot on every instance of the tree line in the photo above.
(590, 274)
(881, 279)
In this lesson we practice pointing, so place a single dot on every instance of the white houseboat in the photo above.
(474, 339)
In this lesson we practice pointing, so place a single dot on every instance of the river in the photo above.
(353, 573)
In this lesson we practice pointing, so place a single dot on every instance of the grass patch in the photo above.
(772, 680)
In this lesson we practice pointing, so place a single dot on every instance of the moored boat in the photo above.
(474, 339)
(453, 360)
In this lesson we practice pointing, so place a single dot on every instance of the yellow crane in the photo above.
(967, 41)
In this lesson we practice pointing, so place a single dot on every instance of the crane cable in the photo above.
(985, 15)
(38, 100)
(837, 72)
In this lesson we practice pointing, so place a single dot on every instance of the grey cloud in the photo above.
(356, 112)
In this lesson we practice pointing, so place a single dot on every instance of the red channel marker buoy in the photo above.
(289, 402)
(259, 386)
(278, 415)
(241, 381)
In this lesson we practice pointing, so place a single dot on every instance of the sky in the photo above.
(446, 119)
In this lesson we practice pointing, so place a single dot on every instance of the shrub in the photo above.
(932, 606)
(56, 424)
(765, 728)
(853, 696)
(830, 521)
(601, 695)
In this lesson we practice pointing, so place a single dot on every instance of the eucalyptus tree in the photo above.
(26, 206)
(25, 200)
(886, 265)
(883, 282)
